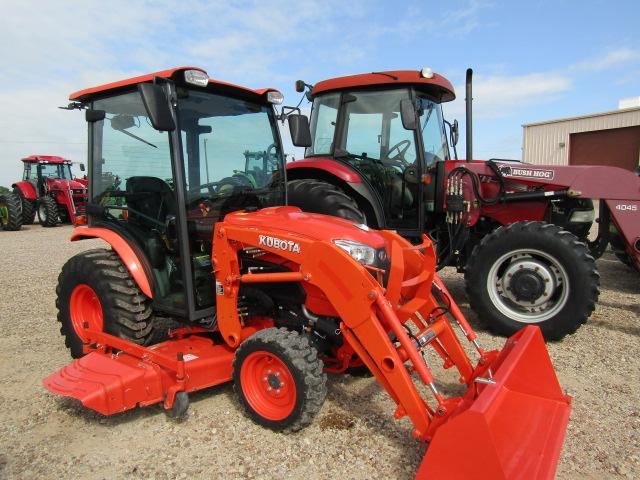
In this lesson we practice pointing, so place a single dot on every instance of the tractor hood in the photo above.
(293, 221)
(61, 184)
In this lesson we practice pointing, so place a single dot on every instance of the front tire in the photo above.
(532, 273)
(94, 287)
(48, 211)
(278, 379)
(317, 196)
(10, 212)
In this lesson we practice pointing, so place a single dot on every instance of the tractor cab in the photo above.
(387, 128)
(171, 153)
(38, 168)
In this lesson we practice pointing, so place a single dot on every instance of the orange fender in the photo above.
(123, 249)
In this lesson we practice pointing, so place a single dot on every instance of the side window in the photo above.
(323, 122)
(131, 147)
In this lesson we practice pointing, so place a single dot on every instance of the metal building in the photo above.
(608, 138)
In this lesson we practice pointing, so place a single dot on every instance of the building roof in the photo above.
(580, 117)
(85, 94)
(437, 84)
(45, 158)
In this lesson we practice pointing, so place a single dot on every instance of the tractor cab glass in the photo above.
(53, 170)
(164, 191)
(364, 129)
(434, 139)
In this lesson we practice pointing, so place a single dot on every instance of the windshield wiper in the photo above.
(136, 137)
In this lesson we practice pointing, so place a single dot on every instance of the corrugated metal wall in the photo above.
(542, 142)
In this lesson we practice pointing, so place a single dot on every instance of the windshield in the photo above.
(53, 170)
(232, 153)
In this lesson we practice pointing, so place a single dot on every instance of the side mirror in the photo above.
(82, 169)
(92, 116)
(408, 114)
(455, 134)
(299, 129)
(157, 105)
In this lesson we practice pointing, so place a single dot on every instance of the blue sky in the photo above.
(533, 60)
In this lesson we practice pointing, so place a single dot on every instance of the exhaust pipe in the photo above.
(468, 100)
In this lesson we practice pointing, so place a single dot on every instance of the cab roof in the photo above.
(45, 158)
(437, 86)
(173, 73)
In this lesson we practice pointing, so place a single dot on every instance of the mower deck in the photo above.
(110, 382)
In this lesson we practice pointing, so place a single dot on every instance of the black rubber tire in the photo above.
(13, 221)
(28, 208)
(581, 272)
(317, 196)
(302, 360)
(48, 211)
(126, 310)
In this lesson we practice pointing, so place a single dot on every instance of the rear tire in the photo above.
(532, 273)
(96, 287)
(28, 208)
(48, 211)
(278, 379)
(11, 212)
(317, 196)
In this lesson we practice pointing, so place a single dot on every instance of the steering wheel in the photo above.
(402, 147)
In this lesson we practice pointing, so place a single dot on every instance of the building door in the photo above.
(619, 147)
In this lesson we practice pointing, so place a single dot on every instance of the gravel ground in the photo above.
(354, 436)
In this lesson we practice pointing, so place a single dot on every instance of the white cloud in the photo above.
(610, 59)
(499, 96)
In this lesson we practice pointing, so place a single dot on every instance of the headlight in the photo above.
(582, 216)
(275, 97)
(358, 251)
(196, 77)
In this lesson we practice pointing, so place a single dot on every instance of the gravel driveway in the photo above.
(354, 436)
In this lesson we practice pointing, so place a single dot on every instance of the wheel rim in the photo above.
(268, 386)
(527, 285)
(85, 307)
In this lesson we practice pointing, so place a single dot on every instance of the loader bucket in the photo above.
(513, 428)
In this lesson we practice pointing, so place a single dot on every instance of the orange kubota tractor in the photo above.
(187, 184)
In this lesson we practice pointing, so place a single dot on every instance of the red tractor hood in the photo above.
(61, 184)
(293, 221)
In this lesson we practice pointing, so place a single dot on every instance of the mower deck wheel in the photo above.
(180, 406)
(278, 379)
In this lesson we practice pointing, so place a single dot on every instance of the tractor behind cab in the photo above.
(210, 279)
(49, 188)
(378, 152)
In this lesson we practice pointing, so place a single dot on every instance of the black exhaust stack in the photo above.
(468, 100)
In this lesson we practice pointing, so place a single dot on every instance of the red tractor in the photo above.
(49, 188)
(269, 297)
(377, 152)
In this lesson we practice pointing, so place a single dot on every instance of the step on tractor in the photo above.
(10, 212)
(49, 188)
(211, 279)
(378, 152)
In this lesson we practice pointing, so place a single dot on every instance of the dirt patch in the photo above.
(336, 421)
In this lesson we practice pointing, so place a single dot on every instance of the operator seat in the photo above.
(153, 198)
